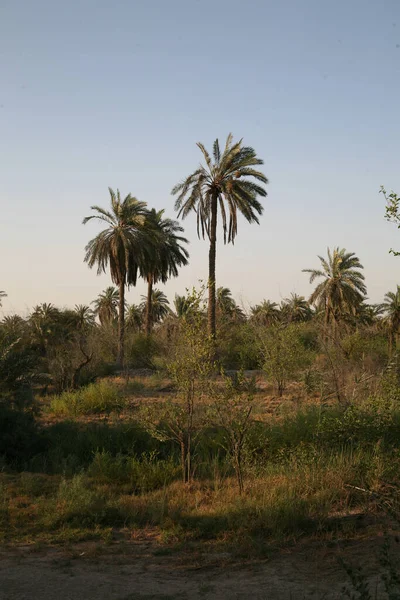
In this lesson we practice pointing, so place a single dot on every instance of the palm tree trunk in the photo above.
(211, 268)
(121, 324)
(148, 304)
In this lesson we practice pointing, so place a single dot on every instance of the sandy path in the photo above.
(55, 575)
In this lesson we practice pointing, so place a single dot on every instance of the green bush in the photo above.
(141, 350)
(144, 474)
(99, 397)
(78, 504)
(20, 436)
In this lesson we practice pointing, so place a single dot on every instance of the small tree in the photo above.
(392, 213)
(284, 354)
(190, 371)
(233, 403)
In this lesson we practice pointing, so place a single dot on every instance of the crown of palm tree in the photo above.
(2, 295)
(342, 287)
(134, 317)
(228, 177)
(184, 306)
(296, 308)
(391, 307)
(168, 252)
(159, 305)
(84, 316)
(105, 305)
(122, 245)
(265, 313)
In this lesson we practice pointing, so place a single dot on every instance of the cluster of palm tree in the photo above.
(136, 242)
(142, 242)
(294, 309)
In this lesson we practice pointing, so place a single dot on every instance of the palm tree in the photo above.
(84, 316)
(267, 313)
(227, 182)
(227, 307)
(368, 314)
(44, 322)
(2, 295)
(159, 306)
(342, 288)
(168, 254)
(296, 309)
(123, 245)
(184, 306)
(391, 308)
(134, 317)
(105, 305)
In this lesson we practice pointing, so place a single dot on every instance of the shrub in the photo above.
(19, 435)
(99, 397)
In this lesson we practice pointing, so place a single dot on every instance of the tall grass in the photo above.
(99, 397)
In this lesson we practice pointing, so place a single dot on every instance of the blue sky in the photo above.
(98, 93)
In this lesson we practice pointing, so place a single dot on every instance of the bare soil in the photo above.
(136, 570)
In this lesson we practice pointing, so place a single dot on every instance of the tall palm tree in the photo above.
(267, 313)
(159, 306)
(122, 246)
(296, 309)
(342, 288)
(105, 305)
(228, 181)
(2, 295)
(168, 254)
(391, 308)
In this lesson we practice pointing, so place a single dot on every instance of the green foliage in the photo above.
(141, 350)
(231, 407)
(342, 288)
(100, 397)
(238, 347)
(284, 354)
(190, 371)
(143, 474)
(392, 213)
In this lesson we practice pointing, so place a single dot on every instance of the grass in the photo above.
(306, 471)
(285, 501)
(96, 398)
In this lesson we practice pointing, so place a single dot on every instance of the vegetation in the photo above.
(119, 418)
(123, 245)
(226, 182)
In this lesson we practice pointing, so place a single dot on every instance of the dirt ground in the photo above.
(87, 572)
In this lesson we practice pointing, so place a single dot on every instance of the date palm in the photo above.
(2, 295)
(106, 305)
(227, 307)
(168, 253)
(159, 306)
(122, 246)
(342, 288)
(296, 309)
(267, 313)
(134, 317)
(229, 182)
(184, 306)
(84, 317)
(391, 309)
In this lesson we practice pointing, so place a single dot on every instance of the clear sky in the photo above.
(98, 93)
